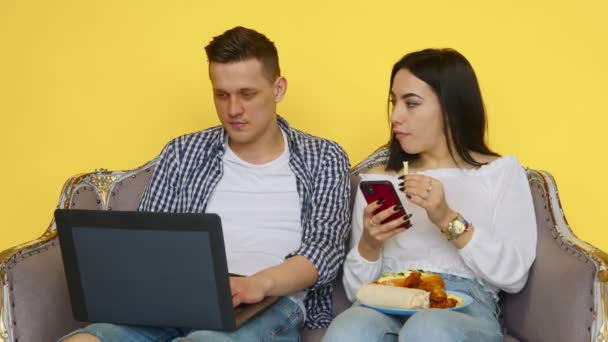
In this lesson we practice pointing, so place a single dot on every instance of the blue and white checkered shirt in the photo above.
(190, 167)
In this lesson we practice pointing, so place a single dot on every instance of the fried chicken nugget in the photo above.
(434, 284)
(413, 280)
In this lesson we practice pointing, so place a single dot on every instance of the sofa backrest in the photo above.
(119, 190)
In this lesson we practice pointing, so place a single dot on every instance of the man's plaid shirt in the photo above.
(190, 167)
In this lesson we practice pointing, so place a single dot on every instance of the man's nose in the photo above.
(235, 106)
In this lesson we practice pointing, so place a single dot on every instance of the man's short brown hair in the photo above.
(241, 43)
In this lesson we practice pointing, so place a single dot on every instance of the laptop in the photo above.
(151, 269)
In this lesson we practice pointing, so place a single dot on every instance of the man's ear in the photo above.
(280, 88)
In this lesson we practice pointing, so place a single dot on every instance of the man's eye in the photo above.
(248, 95)
(221, 95)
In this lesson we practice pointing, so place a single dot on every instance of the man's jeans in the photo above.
(279, 322)
(476, 322)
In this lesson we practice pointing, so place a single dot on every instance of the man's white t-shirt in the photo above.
(260, 208)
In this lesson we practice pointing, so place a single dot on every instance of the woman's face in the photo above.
(416, 114)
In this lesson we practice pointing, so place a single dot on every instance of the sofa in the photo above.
(565, 299)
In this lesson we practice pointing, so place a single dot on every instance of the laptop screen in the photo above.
(142, 268)
(136, 267)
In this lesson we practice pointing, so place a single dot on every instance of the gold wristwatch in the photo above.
(456, 228)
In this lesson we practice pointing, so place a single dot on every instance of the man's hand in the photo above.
(249, 290)
(290, 276)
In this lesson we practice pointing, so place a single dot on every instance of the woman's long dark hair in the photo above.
(453, 80)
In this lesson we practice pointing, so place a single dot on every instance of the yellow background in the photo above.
(90, 84)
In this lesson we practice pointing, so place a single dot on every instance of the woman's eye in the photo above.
(411, 104)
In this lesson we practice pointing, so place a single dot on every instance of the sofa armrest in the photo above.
(565, 297)
(34, 301)
(35, 305)
(33, 290)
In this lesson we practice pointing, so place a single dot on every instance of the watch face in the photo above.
(458, 227)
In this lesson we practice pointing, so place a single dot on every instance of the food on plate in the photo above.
(433, 283)
(450, 302)
(459, 300)
(401, 279)
(393, 297)
(429, 282)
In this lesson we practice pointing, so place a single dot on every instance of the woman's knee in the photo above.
(446, 325)
(430, 325)
(362, 324)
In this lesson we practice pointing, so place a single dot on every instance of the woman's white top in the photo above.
(495, 198)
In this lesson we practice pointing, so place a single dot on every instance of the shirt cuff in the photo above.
(469, 248)
(358, 257)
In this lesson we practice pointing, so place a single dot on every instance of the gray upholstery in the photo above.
(559, 302)
(127, 192)
(38, 291)
(510, 338)
(561, 280)
(85, 197)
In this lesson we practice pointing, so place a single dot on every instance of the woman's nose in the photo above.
(397, 114)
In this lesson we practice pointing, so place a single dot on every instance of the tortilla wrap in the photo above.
(393, 297)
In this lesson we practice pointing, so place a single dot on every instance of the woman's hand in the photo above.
(427, 192)
(375, 232)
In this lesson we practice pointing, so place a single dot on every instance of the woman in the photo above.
(472, 214)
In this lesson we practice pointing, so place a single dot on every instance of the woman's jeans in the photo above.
(279, 322)
(476, 322)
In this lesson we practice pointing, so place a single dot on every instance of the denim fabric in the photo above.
(476, 322)
(280, 322)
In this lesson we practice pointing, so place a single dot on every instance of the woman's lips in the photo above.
(399, 134)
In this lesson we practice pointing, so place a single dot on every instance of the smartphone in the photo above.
(384, 190)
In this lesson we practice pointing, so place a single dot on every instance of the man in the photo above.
(282, 195)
